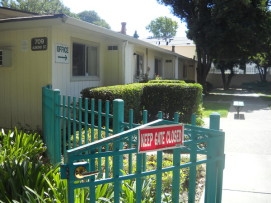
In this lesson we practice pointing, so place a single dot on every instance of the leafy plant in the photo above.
(26, 176)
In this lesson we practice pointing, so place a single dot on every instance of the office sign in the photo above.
(62, 53)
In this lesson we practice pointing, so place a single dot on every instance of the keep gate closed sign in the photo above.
(160, 137)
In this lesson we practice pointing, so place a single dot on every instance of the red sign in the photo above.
(160, 137)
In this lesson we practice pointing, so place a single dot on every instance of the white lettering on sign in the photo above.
(62, 54)
(162, 137)
(174, 136)
(159, 138)
(39, 44)
(146, 139)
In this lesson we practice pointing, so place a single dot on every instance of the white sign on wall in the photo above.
(62, 53)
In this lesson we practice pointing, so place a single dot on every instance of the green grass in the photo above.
(219, 107)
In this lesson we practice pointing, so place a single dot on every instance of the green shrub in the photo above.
(170, 98)
(130, 93)
(26, 176)
(166, 81)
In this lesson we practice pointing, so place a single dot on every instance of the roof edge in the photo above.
(35, 17)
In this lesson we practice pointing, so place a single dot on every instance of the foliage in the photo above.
(170, 98)
(26, 177)
(93, 17)
(219, 31)
(21, 166)
(163, 28)
(38, 6)
(53, 7)
(130, 93)
(263, 58)
(167, 81)
(157, 95)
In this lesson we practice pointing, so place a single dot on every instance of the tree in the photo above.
(93, 17)
(224, 31)
(53, 7)
(38, 6)
(263, 58)
(239, 34)
(136, 35)
(163, 28)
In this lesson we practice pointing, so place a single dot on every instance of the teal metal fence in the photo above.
(101, 161)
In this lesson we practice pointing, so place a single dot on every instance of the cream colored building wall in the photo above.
(21, 83)
(62, 72)
(187, 51)
(167, 68)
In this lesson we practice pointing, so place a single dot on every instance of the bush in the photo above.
(169, 96)
(130, 93)
(167, 81)
(25, 177)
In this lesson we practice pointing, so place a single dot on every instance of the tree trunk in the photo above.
(260, 72)
(229, 79)
(264, 73)
(223, 77)
(204, 65)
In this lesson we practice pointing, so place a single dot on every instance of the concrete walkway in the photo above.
(247, 173)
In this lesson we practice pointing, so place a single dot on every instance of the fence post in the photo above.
(50, 122)
(219, 151)
(118, 115)
(118, 119)
(193, 119)
(214, 121)
(212, 172)
(57, 136)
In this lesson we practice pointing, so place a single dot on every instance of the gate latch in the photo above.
(80, 170)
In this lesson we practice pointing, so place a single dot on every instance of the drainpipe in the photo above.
(176, 67)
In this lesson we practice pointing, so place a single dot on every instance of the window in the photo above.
(158, 67)
(139, 65)
(111, 48)
(5, 58)
(84, 60)
(184, 71)
(1, 57)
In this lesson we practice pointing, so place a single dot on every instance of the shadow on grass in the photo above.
(222, 99)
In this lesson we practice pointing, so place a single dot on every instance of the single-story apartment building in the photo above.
(70, 55)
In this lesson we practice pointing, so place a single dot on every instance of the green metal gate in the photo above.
(103, 165)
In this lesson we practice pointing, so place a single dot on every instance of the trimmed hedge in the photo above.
(166, 81)
(170, 96)
(130, 93)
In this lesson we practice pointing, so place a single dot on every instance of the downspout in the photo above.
(147, 60)
(125, 43)
(176, 72)
(175, 64)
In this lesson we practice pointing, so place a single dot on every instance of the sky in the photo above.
(136, 13)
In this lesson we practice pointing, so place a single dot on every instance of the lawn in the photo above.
(218, 101)
(220, 107)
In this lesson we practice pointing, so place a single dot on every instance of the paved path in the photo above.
(247, 174)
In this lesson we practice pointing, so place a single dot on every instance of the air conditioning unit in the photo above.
(5, 57)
